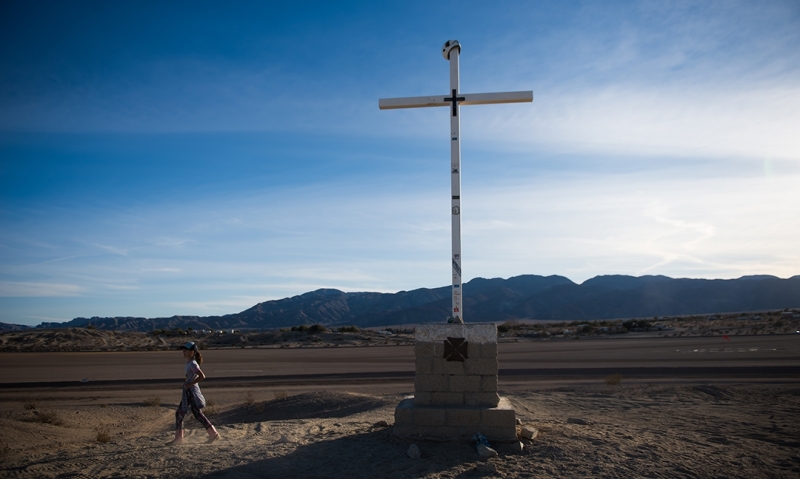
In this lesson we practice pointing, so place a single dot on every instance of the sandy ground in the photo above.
(735, 424)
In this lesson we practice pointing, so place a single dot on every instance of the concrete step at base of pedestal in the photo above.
(455, 422)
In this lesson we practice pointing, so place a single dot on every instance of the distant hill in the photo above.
(520, 297)
(12, 327)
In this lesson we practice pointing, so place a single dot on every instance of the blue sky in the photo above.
(161, 158)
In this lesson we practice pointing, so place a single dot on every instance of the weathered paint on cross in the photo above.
(451, 52)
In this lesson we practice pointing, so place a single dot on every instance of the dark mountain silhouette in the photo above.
(12, 327)
(520, 297)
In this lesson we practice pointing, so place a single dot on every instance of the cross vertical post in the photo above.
(451, 52)
(457, 311)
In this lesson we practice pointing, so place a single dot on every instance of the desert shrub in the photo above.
(249, 399)
(30, 405)
(636, 324)
(168, 332)
(317, 328)
(314, 328)
(349, 329)
(152, 402)
(614, 379)
(103, 436)
(47, 417)
(281, 394)
(210, 409)
(508, 326)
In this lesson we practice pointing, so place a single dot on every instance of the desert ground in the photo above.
(644, 405)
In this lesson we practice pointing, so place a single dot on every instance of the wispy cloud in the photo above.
(121, 287)
(714, 122)
(635, 222)
(13, 289)
(160, 270)
(112, 249)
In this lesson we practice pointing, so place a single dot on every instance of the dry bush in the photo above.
(104, 405)
(30, 405)
(46, 417)
(152, 402)
(249, 399)
(281, 394)
(614, 380)
(103, 436)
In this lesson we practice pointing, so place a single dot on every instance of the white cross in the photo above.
(451, 51)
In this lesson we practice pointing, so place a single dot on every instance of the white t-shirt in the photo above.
(192, 370)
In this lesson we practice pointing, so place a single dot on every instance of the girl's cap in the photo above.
(189, 345)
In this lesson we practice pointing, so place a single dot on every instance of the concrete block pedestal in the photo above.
(455, 387)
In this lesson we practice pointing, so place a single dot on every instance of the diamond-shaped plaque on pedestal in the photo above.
(455, 349)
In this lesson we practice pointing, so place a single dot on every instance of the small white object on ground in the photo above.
(519, 422)
(414, 452)
(486, 451)
(529, 432)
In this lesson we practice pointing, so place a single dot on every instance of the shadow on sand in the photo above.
(369, 454)
(321, 404)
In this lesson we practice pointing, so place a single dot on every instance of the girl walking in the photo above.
(192, 399)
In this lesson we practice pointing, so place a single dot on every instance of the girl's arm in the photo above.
(200, 377)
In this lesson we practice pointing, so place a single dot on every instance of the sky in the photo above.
(196, 158)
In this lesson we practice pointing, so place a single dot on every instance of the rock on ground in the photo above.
(414, 452)
(486, 451)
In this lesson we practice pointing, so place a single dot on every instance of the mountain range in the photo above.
(485, 300)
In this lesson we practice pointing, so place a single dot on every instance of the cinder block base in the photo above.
(455, 422)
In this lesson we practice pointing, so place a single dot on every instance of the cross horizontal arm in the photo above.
(505, 97)
(412, 102)
(469, 99)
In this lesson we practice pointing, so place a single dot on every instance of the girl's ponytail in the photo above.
(198, 357)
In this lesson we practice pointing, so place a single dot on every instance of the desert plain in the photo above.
(708, 404)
